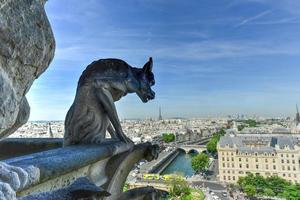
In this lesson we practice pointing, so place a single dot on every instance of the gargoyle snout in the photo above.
(151, 95)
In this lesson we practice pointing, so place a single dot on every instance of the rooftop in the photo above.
(259, 143)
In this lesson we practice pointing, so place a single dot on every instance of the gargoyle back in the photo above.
(105, 69)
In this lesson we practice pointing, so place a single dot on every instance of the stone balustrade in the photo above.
(106, 165)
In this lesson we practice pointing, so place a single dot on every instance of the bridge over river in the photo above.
(193, 148)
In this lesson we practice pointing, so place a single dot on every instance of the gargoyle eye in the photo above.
(152, 82)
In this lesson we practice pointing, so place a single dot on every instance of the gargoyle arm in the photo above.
(107, 102)
(112, 132)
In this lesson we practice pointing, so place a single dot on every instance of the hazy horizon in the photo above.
(211, 58)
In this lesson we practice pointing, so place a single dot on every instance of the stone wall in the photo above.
(26, 49)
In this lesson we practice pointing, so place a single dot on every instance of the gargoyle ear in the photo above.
(148, 66)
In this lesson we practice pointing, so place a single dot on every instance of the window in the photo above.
(241, 172)
(227, 159)
(228, 171)
(232, 153)
(256, 166)
(232, 159)
(256, 159)
(283, 175)
(232, 165)
(240, 165)
(255, 154)
(273, 160)
(267, 167)
(293, 161)
(246, 159)
(292, 155)
(283, 168)
(274, 166)
(289, 175)
(282, 161)
(224, 178)
(288, 161)
(229, 178)
(287, 155)
(233, 178)
(223, 164)
(247, 166)
(282, 155)
(240, 159)
(228, 165)
(223, 158)
(266, 160)
(294, 168)
(289, 168)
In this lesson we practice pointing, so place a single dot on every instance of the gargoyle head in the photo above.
(146, 80)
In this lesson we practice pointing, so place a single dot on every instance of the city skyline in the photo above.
(211, 58)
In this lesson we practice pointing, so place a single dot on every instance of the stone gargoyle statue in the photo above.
(93, 111)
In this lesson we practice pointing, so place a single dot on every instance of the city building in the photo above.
(266, 155)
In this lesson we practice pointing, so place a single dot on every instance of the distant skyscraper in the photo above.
(160, 116)
(297, 116)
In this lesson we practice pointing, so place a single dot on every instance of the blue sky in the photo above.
(211, 57)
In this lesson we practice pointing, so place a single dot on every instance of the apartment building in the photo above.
(263, 154)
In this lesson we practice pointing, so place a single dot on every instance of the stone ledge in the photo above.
(58, 162)
(12, 147)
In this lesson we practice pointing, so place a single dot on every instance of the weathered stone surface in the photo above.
(61, 167)
(82, 188)
(14, 178)
(26, 50)
(13, 147)
(119, 167)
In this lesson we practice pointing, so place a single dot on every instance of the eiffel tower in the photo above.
(160, 116)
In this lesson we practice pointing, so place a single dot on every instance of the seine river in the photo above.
(181, 164)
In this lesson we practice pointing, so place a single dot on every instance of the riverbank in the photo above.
(158, 165)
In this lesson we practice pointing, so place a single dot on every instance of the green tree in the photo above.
(168, 137)
(200, 162)
(270, 186)
(211, 146)
(269, 192)
(178, 187)
(277, 184)
(291, 192)
(240, 127)
(222, 132)
(251, 122)
(250, 190)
